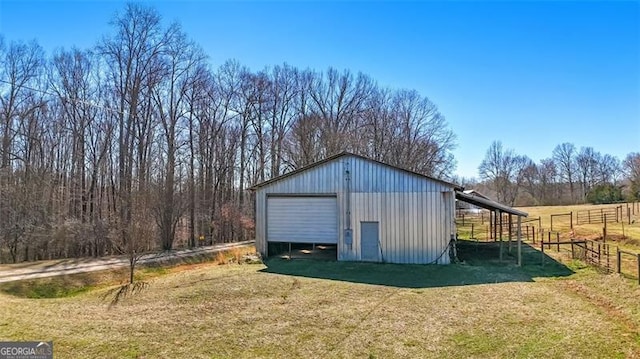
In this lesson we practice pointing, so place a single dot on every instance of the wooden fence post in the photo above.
(540, 224)
(571, 219)
(549, 241)
(558, 241)
(510, 231)
(599, 254)
(533, 234)
(621, 215)
(495, 226)
(490, 225)
(542, 251)
(501, 230)
(541, 234)
(618, 258)
(573, 252)
(472, 231)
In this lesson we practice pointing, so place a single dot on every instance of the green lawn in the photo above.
(313, 309)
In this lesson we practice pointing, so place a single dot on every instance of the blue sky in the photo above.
(531, 74)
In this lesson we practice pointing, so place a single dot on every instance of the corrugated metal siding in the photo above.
(373, 177)
(326, 178)
(413, 226)
(261, 226)
(415, 216)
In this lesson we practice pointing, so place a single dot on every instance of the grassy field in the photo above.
(615, 230)
(304, 308)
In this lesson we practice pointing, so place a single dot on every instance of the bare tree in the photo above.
(505, 170)
(564, 156)
(304, 141)
(338, 101)
(380, 129)
(531, 180)
(252, 104)
(631, 166)
(133, 57)
(195, 93)
(283, 91)
(424, 142)
(20, 67)
(140, 128)
(587, 165)
(609, 169)
(74, 81)
(181, 59)
(548, 174)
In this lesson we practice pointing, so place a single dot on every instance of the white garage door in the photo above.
(302, 219)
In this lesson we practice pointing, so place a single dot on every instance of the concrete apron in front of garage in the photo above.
(326, 252)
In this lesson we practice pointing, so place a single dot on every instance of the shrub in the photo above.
(605, 193)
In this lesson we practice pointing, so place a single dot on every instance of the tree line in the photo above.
(569, 176)
(138, 143)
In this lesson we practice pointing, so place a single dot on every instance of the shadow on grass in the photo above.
(480, 264)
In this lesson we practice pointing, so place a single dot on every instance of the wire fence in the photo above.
(598, 254)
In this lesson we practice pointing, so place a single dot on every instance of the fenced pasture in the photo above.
(602, 215)
(605, 236)
(560, 216)
(603, 256)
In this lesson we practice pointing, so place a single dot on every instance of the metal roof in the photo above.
(473, 192)
(488, 204)
(342, 154)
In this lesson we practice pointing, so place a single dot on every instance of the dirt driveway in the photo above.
(41, 269)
